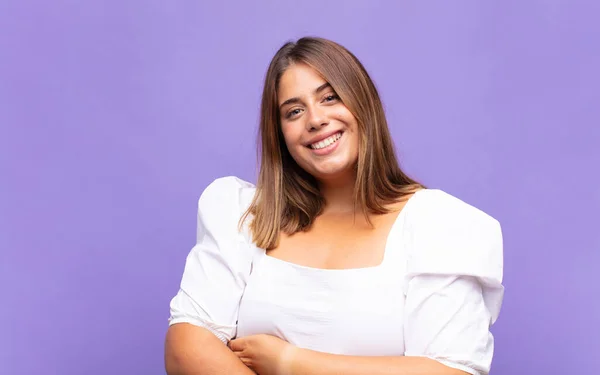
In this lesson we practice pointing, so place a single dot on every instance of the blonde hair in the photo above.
(287, 198)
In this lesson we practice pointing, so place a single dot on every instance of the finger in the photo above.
(238, 345)
(247, 362)
(243, 356)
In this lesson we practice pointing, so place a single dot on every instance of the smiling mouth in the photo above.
(326, 142)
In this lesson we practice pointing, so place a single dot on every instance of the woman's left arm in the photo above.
(446, 333)
(269, 355)
(453, 294)
(316, 363)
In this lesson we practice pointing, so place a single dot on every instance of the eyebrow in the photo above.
(297, 100)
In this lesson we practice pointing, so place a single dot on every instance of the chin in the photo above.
(331, 172)
(332, 167)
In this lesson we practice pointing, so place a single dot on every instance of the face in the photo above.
(320, 132)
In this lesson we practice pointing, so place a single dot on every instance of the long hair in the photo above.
(287, 198)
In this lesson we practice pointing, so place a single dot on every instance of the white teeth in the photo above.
(326, 142)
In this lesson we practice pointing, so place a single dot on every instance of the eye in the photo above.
(331, 98)
(293, 112)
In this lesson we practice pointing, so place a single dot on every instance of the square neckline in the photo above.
(400, 218)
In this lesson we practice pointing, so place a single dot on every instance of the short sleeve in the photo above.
(453, 285)
(217, 267)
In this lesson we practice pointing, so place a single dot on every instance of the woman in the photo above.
(336, 262)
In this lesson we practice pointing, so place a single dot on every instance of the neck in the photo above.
(338, 194)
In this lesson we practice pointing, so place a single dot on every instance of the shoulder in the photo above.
(223, 202)
(227, 192)
(228, 186)
(450, 236)
(432, 207)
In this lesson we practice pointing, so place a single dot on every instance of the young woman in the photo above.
(336, 262)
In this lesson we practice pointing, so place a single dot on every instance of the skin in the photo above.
(315, 110)
(337, 240)
(310, 109)
(269, 355)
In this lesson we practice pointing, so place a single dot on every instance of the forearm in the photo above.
(308, 362)
(191, 350)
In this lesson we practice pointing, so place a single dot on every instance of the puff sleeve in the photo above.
(453, 284)
(217, 267)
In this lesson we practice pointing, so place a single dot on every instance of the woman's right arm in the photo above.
(204, 311)
(192, 350)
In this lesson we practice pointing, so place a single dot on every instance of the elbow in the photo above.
(188, 349)
(174, 353)
(173, 363)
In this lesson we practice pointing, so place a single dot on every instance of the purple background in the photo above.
(115, 115)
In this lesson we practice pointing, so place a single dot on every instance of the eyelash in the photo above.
(332, 97)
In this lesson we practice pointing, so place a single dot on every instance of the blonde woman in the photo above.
(336, 262)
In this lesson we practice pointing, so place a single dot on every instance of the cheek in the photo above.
(287, 134)
(340, 115)
(292, 141)
(292, 134)
(345, 116)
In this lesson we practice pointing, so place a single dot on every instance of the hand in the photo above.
(264, 354)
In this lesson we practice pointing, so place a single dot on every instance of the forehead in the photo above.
(298, 80)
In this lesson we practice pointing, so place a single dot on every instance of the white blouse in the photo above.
(436, 293)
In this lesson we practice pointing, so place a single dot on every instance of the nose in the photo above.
(316, 119)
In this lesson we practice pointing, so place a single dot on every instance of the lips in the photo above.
(326, 142)
(329, 137)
